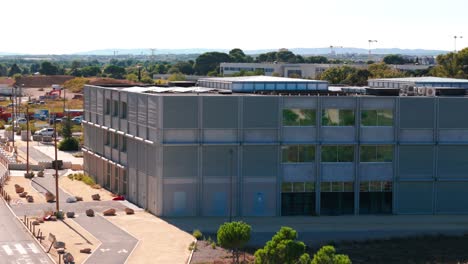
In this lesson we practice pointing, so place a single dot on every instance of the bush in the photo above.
(327, 255)
(193, 246)
(234, 235)
(88, 180)
(68, 144)
(197, 234)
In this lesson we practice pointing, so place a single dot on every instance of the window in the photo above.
(107, 140)
(108, 107)
(375, 186)
(377, 117)
(298, 153)
(123, 146)
(299, 117)
(336, 198)
(115, 108)
(377, 153)
(337, 153)
(116, 179)
(375, 197)
(337, 117)
(297, 187)
(298, 198)
(108, 176)
(124, 182)
(116, 141)
(123, 111)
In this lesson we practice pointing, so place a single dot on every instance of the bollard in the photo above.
(24, 221)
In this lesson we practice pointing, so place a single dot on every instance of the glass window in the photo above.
(298, 187)
(108, 106)
(123, 111)
(375, 186)
(387, 186)
(364, 186)
(123, 147)
(286, 187)
(116, 179)
(298, 153)
(116, 141)
(337, 153)
(116, 108)
(337, 117)
(107, 139)
(299, 117)
(382, 153)
(325, 186)
(377, 117)
(337, 187)
(310, 187)
(348, 186)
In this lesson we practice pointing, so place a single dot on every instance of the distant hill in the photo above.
(301, 51)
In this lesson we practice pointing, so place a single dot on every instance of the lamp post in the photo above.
(455, 42)
(56, 169)
(231, 174)
(370, 43)
(27, 139)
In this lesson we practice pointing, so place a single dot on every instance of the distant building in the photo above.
(437, 82)
(304, 70)
(198, 151)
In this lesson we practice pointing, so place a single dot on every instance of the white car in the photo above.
(20, 121)
(45, 132)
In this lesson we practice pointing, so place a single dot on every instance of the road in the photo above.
(16, 245)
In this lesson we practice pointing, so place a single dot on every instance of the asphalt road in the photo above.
(16, 245)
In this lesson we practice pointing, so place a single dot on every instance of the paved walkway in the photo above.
(35, 154)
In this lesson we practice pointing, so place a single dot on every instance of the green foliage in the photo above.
(210, 61)
(316, 59)
(197, 234)
(234, 235)
(238, 55)
(382, 70)
(454, 65)
(14, 69)
(85, 178)
(395, 59)
(193, 246)
(282, 248)
(76, 85)
(182, 67)
(176, 77)
(345, 75)
(114, 71)
(66, 128)
(327, 255)
(48, 68)
(213, 245)
(69, 144)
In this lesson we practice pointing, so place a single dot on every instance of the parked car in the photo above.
(20, 121)
(52, 120)
(77, 120)
(45, 132)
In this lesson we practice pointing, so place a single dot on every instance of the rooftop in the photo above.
(259, 78)
(428, 79)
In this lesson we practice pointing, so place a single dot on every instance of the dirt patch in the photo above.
(160, 242)
(205, 254)
(26, 183)
(74, 236)
(78, 188)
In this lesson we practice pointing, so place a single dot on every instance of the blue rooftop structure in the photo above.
(436, 82)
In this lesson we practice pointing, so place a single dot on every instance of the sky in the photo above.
(68, 26)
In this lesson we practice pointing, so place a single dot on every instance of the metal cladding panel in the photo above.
(216, 201)
(180, 135)
(416, 135)
(86, 135)
(132, 157)
(152, 194)
(123, 125)
(300, 102)
(260, 161)
(123, 158)
(260, 135)
(107, 152)
(451, 197)
(260, 112)
(299, 134)
(132, 113)
(180, 199)
(416, 112)
(416, 162)
(414, 197)
(180, 162)
(376, 171)
(453, 135)
(180, 112)
(86, 103)
(259, 199)
(132, 185)
(98, 140)
(142, 185)
(153, 111)
(220, 112)
(219, 162)
(377, 103)
(142, 157)
(452, 113)
(298, 172)
(377, 134)
(153, 135)
(453, 162)
(115, 155)
(151, 160)
(339, 102)
(337, 171)
(338, 134)
(142, 115)
(220, 135)
(115, 123)
(100, 101)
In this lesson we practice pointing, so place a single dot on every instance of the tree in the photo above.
(90, 71)
(182, 67)
(238, 55)
(14, 69)
(115, 71)
(382, 70)
(283, 248)
(176, 77)
(47, 68)
(34, 67)
(452, 64)
(3, 70)
(327, 255)
(67, 128)
(316, 59)
(234, 236)
(394, 59)
(210, 61)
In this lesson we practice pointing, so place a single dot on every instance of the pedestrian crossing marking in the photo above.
(7, 250)
(33, 248)
(20, 249)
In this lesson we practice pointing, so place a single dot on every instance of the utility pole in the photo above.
(332, 49)
(152, 55)
(27, 139)
(56, 169)
(370, 43)
(455, 42)
(13, 116)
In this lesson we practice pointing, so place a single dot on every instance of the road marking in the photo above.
(105, 249)
(7, 250)
(20, 249)
(33, 248)
(122, 251)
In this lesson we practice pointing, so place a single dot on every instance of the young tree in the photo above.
(283, 248)
(14, 69)
(327, 255)
(234, 235)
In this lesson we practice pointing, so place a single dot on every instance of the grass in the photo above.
(85, 178)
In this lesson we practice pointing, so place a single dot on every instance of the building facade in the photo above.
(212, 154)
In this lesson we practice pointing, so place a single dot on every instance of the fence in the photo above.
(3, 178)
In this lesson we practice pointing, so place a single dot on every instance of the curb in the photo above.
(191, 253)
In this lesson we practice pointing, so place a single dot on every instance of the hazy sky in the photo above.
(66, 26)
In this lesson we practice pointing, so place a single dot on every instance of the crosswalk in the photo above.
(21, 253)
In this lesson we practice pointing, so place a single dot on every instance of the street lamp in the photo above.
(455, 42)
(370, 43)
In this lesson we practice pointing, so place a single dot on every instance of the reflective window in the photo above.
(116, 108)
(123, 146)
(375, 186)
(377, 118)
(297, 187)
(123, 113)
(382, 153)
(108, 107)
(299, 117)
(298, 153)
(337, 153)
(337, 117)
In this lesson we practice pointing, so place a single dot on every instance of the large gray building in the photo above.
(206, 152)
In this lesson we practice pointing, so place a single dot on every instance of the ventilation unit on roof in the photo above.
(421, 91)
(430, 91)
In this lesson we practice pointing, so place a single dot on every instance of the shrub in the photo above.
(88, 180)
(193, 246)
(197, 234)
(213, 245)
(327, 255)
(69, 144)
(234, 235)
